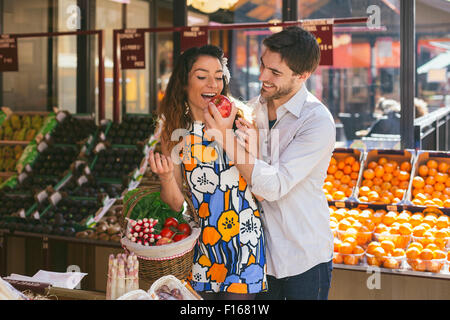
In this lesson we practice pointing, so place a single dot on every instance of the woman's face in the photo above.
(204, 82)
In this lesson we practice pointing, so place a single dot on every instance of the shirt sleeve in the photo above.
(314, 141)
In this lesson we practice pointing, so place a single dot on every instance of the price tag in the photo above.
(82, 180)
(22, 213)
(55, 198)
(41, 196)
(36, 215)
(391, 208)
(42, 146)
(107, 204)
(61, 116)
(99, 147)
(22, 177)
(339, 204)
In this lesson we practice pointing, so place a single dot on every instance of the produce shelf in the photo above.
(444, 274)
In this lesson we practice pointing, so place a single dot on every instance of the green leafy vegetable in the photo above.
(150, 206)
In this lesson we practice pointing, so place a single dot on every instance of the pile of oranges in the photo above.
(342, 176)
(428, 258)
(388, 238)
(385, 253)
(384, 181)
(431, 185)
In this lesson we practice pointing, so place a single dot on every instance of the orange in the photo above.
(379, 171)
(389, 218)
(418, 182)
(417, 202)
(426, 254)
(349, 160)
(415, 220)
(352, 241)
(382, 160)
(403, 175)
(332, 169)
(345, 248)
(417, 245)
(377, 181)
(364, 191)
(347, 169)
(350, 259)
(447, 203)
(337, 243)
(369, 174)
(333, 161)
(367, 183)
(432, 247)
(432, 164)
(344, 225)
(338, 258)
(338, 195)
(387, 177)
(418, 231)
(432, 172)
(350, 233)
(442, 222)
(388, 246)
(358, 250)
(405, 166)
(430, 180)
(398, 252)
(412, 253)
(379, 252)
(389, 167)
(443, 167)
(345, 179)
(372, 165)
(356, 166)
(399, 193)
(430, 219)
(423, 170)
(428, 189)
(339, 174)
(439, 186)
(341, 165)
(441, 177)
(391, 263)
(405, 229)
(371, 247)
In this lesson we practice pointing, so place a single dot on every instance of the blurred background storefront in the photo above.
(63, 71)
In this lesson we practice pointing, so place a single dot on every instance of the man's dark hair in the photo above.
(297, 47)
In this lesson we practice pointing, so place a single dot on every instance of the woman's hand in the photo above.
(161, 165)
(249, 136)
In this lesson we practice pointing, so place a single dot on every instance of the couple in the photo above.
(279, 246)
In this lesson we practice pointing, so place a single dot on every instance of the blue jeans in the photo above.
(313, 284)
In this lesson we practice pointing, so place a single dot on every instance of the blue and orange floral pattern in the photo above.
(230, 255)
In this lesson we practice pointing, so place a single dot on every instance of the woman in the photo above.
(229, 258)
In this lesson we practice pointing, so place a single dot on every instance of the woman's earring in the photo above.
(186, 105)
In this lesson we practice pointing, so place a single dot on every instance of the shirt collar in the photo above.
(293, 105)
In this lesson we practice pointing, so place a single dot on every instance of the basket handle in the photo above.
(135, 199)
(193, 213)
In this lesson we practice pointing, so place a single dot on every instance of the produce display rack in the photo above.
(19, 135)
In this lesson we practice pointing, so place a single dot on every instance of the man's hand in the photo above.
(248, 135)
(216, 123)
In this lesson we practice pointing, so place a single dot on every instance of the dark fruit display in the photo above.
(131, 130)
(117, 162)
(54, 160)
(73, 130)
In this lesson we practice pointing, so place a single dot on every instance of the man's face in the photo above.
(278, 80)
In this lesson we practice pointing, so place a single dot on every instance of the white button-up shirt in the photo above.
(290, 176)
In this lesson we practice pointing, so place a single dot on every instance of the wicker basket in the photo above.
(170, 259)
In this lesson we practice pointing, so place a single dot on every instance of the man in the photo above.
(289, 175)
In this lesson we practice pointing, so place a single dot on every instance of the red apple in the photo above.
(223, 104)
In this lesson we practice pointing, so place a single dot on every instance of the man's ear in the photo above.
(304, 76)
